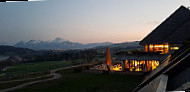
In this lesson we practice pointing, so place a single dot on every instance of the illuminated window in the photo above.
(146, 48)
(174, 48)
(162, 48)
(141, 65)
(151, 47)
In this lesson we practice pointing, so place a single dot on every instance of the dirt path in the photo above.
(52, 73)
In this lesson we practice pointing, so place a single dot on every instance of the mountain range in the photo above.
(57, 43)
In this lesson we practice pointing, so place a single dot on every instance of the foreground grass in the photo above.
(25, 68)
(13, 84)
(38, 74)
(85, 82)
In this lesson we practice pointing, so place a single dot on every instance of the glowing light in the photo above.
(162, 48)
(134, 65)
(174, 48)
(117, 67)
(154, 64)
(146, 48)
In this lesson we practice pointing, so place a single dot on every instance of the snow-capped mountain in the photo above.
(57, 43)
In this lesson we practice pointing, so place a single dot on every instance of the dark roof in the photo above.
(174, 30)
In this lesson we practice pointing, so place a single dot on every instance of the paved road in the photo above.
(52, 73)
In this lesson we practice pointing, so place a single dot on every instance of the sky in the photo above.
(84, 21)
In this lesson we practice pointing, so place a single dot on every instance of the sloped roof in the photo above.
(174, 30)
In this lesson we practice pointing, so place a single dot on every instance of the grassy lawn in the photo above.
(13, 84)
(23, 68)
(38, 74)
(85, 82)
(2, 56)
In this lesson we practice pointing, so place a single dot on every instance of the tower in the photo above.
(108, 57)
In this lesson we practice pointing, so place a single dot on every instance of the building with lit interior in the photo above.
(171, 38)
(165, 39)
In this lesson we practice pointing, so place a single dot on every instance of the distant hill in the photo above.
(58, 43)
(125, 46)
(10, 50)
(122, 45)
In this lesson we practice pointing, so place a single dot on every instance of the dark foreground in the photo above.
(85, 82)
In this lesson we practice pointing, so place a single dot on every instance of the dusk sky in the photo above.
(85, 21)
